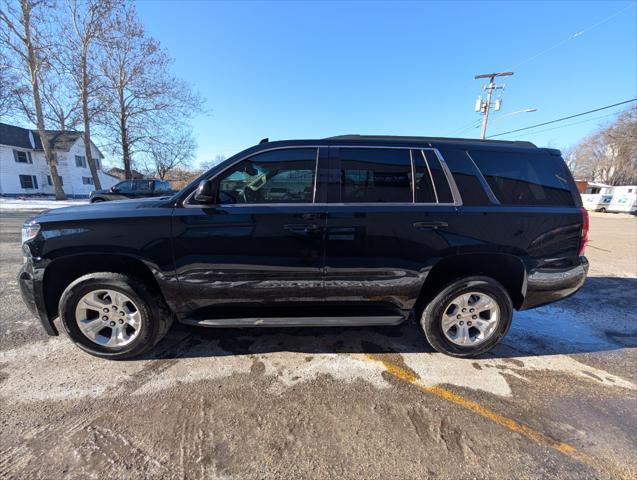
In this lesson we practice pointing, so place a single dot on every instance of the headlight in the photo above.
(29, 230)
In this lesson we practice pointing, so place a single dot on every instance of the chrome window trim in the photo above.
(431, 177)
(413, 177)
(455, 193)
(315, 176)
(319, 204)
(483, 181)
(452, 184)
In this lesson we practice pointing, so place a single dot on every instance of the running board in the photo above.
(296, 321)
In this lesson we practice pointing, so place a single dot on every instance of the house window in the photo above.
(49, 180)
(28, 181)
(21, 156)
(87, 180)
(80, 161)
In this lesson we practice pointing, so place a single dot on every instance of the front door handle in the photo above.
(302, 228)
(430, 225)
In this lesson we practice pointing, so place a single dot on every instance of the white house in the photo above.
(23, 168)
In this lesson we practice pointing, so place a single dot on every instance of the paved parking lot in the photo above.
(557, 399)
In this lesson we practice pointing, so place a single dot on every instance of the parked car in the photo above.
(456, 233)
(139, 188)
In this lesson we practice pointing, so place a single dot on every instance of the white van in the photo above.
(624, 199)
(597, 197)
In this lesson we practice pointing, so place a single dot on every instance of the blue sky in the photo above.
(307, 70)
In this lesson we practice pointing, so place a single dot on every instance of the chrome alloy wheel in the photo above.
(470, 319)
(108, 317)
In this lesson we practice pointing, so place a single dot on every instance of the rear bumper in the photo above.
(30, 282)
(547, 286)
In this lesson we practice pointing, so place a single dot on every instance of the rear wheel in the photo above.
(111, 315)
(468, 317)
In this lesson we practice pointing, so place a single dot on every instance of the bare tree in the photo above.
(90, 20)
(169, 149)
(7, 84)
(207, 165)
(610, 154)
(61, 107)
(141, 95)
(24, 33)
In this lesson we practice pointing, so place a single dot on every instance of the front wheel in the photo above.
(468, 317)
(112, 315)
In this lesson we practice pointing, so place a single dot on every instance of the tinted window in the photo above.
(375, 175)
(144, 186)
(424, 187)
(279, 176)
(440, 179)
(467, 177)
(525, 179)
(125, 186)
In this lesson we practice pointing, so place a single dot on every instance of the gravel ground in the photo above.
(557, 399)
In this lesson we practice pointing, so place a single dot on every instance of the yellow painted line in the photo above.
(530, 433)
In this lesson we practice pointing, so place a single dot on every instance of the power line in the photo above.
(560, 43)
(572, 37)
(571, 124)
(473, 124)
(563, 118)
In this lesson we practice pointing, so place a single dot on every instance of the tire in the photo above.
(602, 210)
(97, 200)
(432, 316)
(154, 316)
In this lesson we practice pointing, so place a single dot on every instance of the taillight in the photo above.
(584, 236)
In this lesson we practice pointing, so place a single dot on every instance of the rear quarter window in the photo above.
(525, 178)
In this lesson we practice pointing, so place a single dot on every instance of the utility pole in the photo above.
(484, 107)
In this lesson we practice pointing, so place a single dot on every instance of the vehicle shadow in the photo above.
(602, 316)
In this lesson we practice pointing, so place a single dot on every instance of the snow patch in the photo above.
(19, 204)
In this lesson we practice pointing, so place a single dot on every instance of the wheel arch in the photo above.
(507, 269)
(62, 271)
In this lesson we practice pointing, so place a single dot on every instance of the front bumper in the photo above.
(30, 282)
(547, 286)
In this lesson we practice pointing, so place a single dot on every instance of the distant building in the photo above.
(23, 167)
(121, 174)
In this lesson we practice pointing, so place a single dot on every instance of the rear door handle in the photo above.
(302, 228)
(430, 225)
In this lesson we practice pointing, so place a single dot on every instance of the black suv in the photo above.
(349, 230)
(139, 188)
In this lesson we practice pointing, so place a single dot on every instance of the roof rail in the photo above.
(396, 138)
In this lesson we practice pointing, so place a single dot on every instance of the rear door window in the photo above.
(375, 175)
(423, 185)
(426, 161)
(525, 179)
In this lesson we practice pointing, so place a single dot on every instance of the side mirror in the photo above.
(114, 189)
(206, 192)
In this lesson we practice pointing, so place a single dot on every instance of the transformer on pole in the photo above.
(484, 106)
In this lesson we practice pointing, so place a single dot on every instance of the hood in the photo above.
(103, 210)
(103, 190)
